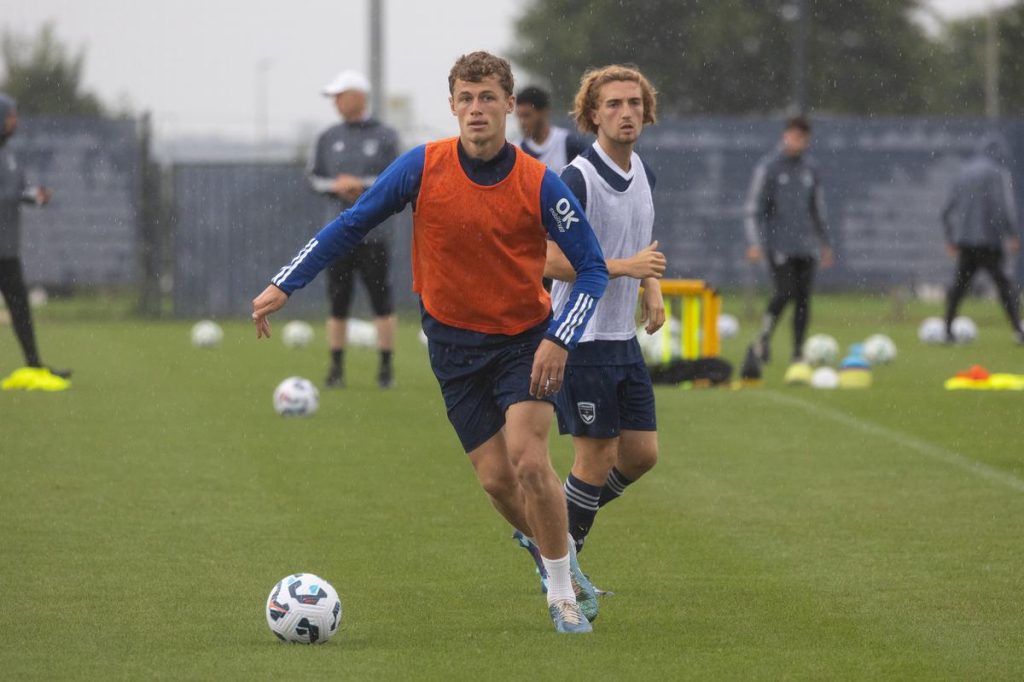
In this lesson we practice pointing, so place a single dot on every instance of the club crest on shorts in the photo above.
(588, 411)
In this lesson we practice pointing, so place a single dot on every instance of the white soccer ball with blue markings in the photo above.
(296, 397)
(821, 349)
(206, 334)
(303, 608)
(964, 330)
(297, 334)
(879, 349)
(932, 330)
(728, 326)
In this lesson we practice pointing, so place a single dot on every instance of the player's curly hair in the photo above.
(590, 87)
(476, 66)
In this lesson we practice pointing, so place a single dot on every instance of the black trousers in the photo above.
(372, 262)
(12, 286)
(990, 259)
(793, 278)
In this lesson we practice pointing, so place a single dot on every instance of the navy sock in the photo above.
(582, 499)
(385, 359)
(613, 487)
(336, 357)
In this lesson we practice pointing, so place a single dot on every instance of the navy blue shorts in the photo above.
(600, 401)
(479, 383)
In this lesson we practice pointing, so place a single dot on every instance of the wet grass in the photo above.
(786, 533)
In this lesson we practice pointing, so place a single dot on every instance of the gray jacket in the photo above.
(980, 210)
(785, 211)
(13, 191)
(363, 149)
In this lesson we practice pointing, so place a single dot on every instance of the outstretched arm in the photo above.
(648, 262)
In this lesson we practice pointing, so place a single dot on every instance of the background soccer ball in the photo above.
(821, 349)
(206, 334)
(361, 333)
(303, 608)
(296, 397)
(653, 345)
(964, 330)
(825, 377)
(879, 349)
(728, 326)
(297, 334)
(932, 330)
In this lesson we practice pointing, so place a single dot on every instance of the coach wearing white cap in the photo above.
(347, 159)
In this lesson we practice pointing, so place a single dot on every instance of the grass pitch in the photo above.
(786, 533)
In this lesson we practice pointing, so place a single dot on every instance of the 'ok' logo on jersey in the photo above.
(564, 215)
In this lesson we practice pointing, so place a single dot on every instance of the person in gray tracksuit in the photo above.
(346, 161)
(786, 224)
(978, 216)
(13, 193)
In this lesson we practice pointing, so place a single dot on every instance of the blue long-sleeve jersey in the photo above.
(399, 185)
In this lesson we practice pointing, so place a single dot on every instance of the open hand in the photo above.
(270, 300)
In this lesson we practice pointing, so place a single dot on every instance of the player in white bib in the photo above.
(607, 400)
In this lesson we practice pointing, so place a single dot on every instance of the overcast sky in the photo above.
(194, 63)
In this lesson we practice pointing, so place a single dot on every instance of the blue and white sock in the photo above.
(583, 502)
(613, 487)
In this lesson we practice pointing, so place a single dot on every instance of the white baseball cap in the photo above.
(347, 80)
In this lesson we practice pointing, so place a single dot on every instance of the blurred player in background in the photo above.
(552, 145)
(979, 215)
(483, 212)
(786, 224)
(13, 193)
(607, 401)
(348, 158)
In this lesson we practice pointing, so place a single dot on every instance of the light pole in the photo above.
(377, 58)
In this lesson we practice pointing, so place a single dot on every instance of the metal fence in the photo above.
(235, 225)
(885, 183)
(87, 235)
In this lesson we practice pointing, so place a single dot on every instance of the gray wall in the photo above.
(885, 182)
(236, 225)
(87, 235)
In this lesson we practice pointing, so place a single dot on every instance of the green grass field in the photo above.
(786, 533)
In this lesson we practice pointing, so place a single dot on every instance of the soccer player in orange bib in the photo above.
(482, 213)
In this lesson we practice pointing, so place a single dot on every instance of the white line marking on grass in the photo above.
(922, 447)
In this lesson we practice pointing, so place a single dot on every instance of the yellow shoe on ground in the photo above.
(34, 379)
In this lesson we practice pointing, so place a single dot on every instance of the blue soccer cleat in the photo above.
(586, 593)
(534, 551)
(568, 617)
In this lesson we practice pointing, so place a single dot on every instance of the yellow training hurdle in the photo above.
(696, 306)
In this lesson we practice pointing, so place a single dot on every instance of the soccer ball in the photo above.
(297, 334)
(932, 330)
(825, 377)
(296, 397)
(728, 326)
(653, 345)
(361, 333)
(820, 349)
(303, 608)
(206, 334)
(879, 349)
(964, 330)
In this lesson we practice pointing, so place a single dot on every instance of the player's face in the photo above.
(619, 115)
(795, 141)
(481, 109)
(351, 104)
(531, 119)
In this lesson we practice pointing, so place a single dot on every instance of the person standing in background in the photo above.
(786, 224)
(978, 217)
(346, 161)
(13, 193)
